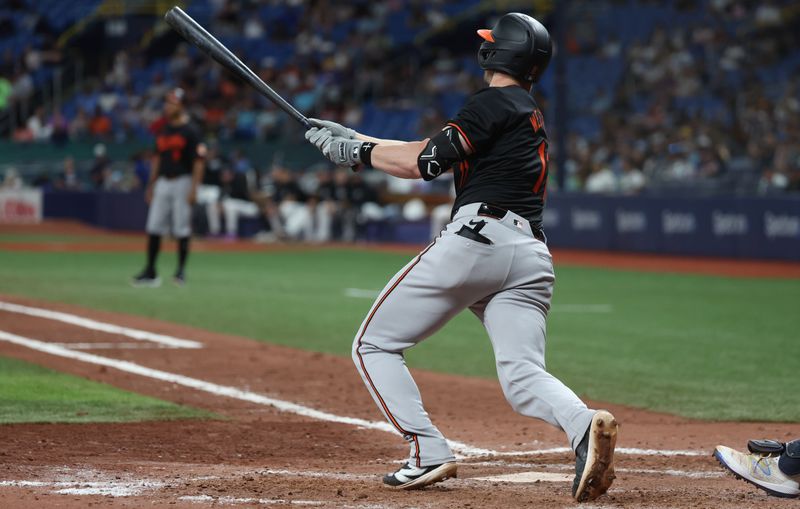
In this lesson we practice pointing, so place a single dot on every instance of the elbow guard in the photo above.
(440, 153)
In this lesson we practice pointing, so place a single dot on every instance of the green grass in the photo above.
(699, 346)
(45, 238)
(29, 393)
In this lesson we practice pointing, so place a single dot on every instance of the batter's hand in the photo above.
(334, 128)
(343, 152)
(320, 138)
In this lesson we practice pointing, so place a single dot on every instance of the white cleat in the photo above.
(758, 470)
(409, 477)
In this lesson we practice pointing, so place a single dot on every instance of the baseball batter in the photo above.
(172, 190)
(492, 259)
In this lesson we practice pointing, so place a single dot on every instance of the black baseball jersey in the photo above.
(178, 147)
(508, 166)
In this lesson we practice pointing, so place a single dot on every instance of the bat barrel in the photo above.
(198, 36)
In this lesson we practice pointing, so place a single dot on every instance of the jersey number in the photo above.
(173, 143)
(537, 121)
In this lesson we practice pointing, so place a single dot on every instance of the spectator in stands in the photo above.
(234, 202)
(347, 212)
(101, 168)
(99, 124)
(12, 180)
(22, 88)
(326, 199)
(365, 201)
(602, 179)
(79, 126)
(287, 211)
(40, 129)
(67, 180)
(34, 58)
(691, 80)
(632, 180)
(60, 129)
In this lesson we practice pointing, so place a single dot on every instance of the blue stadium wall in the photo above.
(728, 227)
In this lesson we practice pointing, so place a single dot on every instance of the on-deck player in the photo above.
(172, 189)
(492, 258)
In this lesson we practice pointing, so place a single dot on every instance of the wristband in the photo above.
(365, 153)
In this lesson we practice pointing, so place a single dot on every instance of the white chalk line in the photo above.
(317, 474)
(88, 323)
(698, 474)
(135, 487)
(525, 477)
(104, 488)
(202, 499)
(113, 346)
(360, 293)
(460, 448)
(227, 500)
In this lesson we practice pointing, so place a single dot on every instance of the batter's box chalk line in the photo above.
(88, 323)
(462, 449)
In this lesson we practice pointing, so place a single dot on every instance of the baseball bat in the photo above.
(199, 36)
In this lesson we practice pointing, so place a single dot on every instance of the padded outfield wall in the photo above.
(727, 227)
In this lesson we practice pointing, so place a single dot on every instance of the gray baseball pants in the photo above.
(170, 211)
(508, 285)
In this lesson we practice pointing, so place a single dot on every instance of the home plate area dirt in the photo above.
(299, 429)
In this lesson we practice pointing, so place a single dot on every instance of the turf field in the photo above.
(29, 393)
(700, 346)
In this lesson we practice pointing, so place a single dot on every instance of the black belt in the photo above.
(496, 212)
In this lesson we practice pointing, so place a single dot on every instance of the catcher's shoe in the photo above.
(759, 470)
(146, 279)
(594, 458)
(409, 477)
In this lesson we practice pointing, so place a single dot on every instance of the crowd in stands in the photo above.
(29, 53)
(708, 101)
(713, 102)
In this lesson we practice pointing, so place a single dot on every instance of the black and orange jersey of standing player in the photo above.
(177, 146)
(503, 130)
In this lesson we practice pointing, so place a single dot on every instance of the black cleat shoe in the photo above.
(146, 280)
(179, 278)
(411, 478)
(594, 458)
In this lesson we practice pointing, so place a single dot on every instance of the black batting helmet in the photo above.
(518, 45)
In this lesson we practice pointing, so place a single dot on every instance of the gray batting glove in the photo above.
(336, 129)
(343, 152)
(319, 138)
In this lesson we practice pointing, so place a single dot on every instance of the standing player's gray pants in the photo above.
(508, 285)
(170, 210)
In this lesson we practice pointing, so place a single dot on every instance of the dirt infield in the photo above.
(108, 241)
(299, 428)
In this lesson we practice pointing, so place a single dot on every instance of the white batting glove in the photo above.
(335, 129)
(319, 138)
(343, 152)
